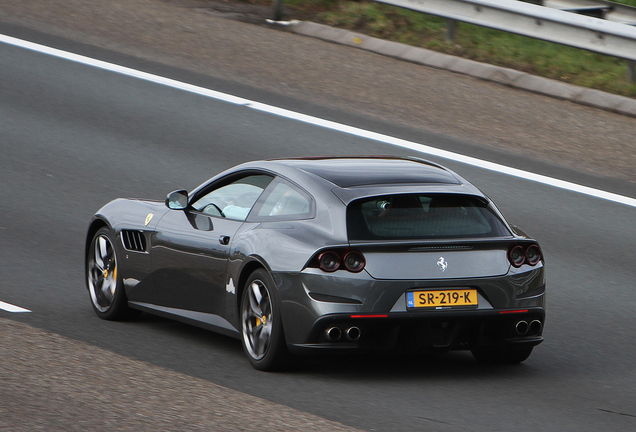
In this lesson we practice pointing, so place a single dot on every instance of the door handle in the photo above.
(224, 240)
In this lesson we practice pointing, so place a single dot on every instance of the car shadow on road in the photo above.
(433, 365)
(381, 366)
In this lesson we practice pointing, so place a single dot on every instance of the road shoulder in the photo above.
(187, 35)
(50, 382)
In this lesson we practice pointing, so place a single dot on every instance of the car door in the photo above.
(191, 247)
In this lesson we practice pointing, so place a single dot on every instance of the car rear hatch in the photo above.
(443, 260)
(429, 235)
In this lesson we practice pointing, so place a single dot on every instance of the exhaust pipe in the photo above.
(333, 333)
(353, 333)
(535, 327)
(521, 327)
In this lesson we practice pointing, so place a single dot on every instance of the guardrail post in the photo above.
(278, 10)
(631, 73)
(450, 30)
(604, 37)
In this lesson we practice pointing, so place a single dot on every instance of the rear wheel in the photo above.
(261, 324)
(104, 279)
(502, 355)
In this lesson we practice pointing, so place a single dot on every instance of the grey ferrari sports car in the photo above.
(351, 254)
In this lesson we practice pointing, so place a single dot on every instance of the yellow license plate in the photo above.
(442, 298)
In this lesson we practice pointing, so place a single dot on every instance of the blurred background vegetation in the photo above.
(537, 57)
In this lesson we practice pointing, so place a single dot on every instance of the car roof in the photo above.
(347, 178)
(348, 172)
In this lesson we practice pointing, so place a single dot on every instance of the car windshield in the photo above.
(422, 216)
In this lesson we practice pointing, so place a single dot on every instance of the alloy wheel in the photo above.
(102, 273)
(257, 320)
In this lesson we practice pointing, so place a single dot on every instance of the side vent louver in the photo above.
(134, 240)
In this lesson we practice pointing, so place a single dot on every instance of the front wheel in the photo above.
(261, 325)
(502, 355)
(104, 280)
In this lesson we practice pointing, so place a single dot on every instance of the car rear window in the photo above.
(415, 216)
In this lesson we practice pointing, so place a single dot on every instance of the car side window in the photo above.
(233, 200)
(285, 201)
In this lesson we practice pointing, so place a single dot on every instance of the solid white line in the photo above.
(123, 70)
(11, 308)
(468, 160)
(421, 148)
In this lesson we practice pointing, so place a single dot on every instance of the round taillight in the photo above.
(329, 261)
(516, 256)
(533, 255)
(354, 261)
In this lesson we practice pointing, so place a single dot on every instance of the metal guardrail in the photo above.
(607, 10)
(539, 22)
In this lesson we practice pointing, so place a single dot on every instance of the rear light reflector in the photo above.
(369, 316)
(518, 255)
(329, 261)
(533, 255)
(354, 261)
(513, 311)
(332, 260)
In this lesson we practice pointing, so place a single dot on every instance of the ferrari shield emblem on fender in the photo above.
(442, 263)
(148, 218)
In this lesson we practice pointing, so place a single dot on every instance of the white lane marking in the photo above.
(11, 308)
(468, 160)
(123, 70)
(421, 148)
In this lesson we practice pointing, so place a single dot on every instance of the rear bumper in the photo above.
(442, 331)
(312, 302)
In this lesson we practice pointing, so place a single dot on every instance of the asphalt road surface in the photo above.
(74, 137)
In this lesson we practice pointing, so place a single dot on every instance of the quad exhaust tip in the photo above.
(353, 333)
(535, 327)
(333, 333)
(522, 327)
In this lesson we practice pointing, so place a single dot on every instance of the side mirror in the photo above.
(177, 200)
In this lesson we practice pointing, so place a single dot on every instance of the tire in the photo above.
(502, 355)
(261, 325)
(104, 281)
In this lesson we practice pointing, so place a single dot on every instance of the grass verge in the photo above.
(571, 65)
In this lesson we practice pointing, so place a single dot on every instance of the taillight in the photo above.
(329, 261)
(518, 255)
(533, 255)
(332, 260)
(354, 261)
